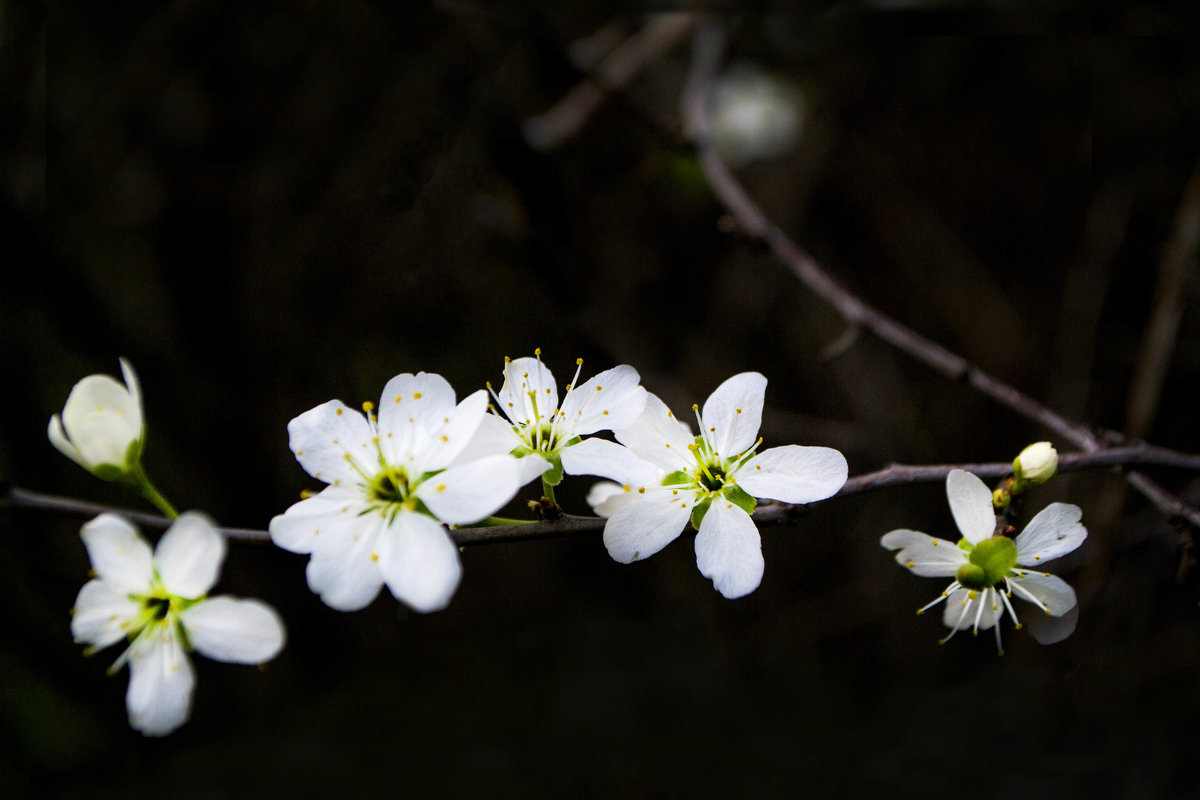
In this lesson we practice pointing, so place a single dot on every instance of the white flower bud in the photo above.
(101, 424)
(1036, 464)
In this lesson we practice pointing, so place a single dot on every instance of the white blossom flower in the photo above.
(393, 479)
(538, 425)
(668, 475)
(159, 603)
(988, 569)
(101, 426)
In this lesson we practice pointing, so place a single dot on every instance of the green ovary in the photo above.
(988, 564)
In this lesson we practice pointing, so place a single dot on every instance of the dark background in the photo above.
(264, 206)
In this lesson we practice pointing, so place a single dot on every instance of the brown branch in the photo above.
(708, 46)
(768, 513)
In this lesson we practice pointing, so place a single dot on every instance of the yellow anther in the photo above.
(578, 362)
(399, 397)
(537, 351)
(739, 410)
(641, 490)
(374, 556)
(368, 406)
(695, 407)
(305, 494)
(416, 395)
(599, 387)
(441, 487)
(338, 412)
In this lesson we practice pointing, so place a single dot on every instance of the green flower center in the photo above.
(389, 486)
(988, 563)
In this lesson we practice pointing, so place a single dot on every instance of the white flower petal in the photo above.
(794, 474)
(658, 437)
(331, 440)
(960, 611)
(1052, 591)
(468, 493)
(925, 555)
(647, 524)
(134, 386)
(100, 613)
(419, 562)
(159, 698)
(301, 527)
(119, 555)
(733, 413)
(409, 404)
(189, 555)
(609, 460)
(971, 505)
(436, 442)
(729, 550)
(345, 573)
(1055, 531)
(59, 439)
(1047, 629)
(613, 399)
(524, 379)
(239, 631)
(606, 497)
(494, 437)
(530, 468)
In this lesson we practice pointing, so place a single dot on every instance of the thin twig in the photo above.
(708, 47)
(768, 513)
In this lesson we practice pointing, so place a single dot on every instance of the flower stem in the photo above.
(147, 490)
(548, 492)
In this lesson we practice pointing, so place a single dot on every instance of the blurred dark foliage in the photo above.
(267, 205)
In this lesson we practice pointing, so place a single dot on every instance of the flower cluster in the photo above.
(402, 472)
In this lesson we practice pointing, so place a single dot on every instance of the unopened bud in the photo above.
(1036, 464)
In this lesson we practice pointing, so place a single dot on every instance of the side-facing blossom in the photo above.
(158, 602)
(668, 476)
(989, 568)
(393, 479)
(538, 425)
(101, 426)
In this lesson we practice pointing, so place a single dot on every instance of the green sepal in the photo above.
(554, 475)
(737, 495)
(677, 478)
(574, 440)
(521, 451)
(133, 453)
(109, 472)
(699, 510)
